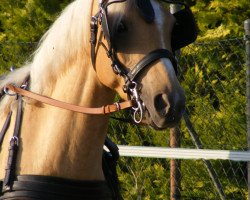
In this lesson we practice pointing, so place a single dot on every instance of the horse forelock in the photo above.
(149, 10)
(116, 12)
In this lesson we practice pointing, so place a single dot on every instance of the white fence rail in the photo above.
(180, 153)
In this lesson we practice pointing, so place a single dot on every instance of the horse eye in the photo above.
(122, 27)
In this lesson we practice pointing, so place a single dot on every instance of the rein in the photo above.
(107, 109)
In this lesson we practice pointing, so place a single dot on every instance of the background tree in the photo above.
(23, 21)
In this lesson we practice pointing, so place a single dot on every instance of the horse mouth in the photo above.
(156, 123)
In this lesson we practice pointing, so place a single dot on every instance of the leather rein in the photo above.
(107, 109)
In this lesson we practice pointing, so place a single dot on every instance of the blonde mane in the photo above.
(66, 42)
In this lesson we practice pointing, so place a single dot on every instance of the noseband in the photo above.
(130, 77)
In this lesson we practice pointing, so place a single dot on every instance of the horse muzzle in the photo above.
(165, 110)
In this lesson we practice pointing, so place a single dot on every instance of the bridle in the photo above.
(130, 77)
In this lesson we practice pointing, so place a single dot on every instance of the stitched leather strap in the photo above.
(5, 127)
(149, 59)
(10, 170)
(53, 102)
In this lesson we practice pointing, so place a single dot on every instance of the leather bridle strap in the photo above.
(149, 59)
(5, 127)
(107, 109)
(13, 148)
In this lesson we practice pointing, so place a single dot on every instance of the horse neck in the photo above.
(65, 143)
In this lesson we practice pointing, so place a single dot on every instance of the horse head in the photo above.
(135, 40)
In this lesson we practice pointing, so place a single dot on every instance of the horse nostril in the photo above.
(162, 104)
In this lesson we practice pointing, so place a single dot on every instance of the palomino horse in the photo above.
(57, 153)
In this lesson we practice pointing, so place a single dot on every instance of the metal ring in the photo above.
(138, 112)
(132, 85)
(138, 115)
(24, 85)
(6, 91)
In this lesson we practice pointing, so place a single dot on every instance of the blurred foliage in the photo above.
(213, 76)
(26, 21)
(221, 19)
(22, 23)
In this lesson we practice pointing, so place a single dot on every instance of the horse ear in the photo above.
(146, 10)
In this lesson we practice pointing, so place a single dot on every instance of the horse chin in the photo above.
(152, 122)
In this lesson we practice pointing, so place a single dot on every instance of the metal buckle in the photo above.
(117, 105)
(138, 108)
(14, 140)
(101, 13)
